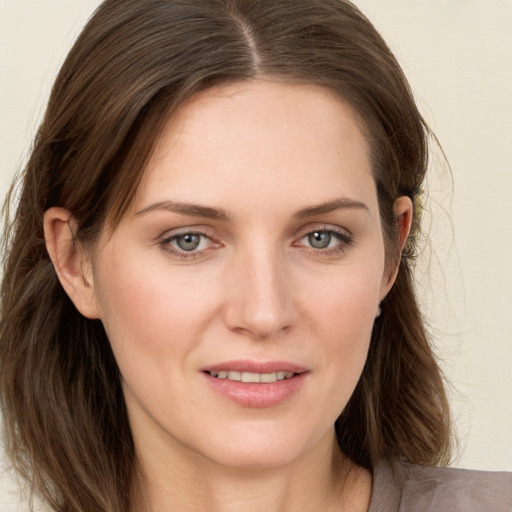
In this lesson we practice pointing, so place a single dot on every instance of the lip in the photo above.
(257, 395)
(255, 367)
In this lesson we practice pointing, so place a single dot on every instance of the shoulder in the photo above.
(402, 487)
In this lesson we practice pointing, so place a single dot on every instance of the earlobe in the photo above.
(71, 264)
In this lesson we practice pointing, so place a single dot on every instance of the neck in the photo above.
(323, 479)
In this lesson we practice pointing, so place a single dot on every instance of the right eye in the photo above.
(187, 244)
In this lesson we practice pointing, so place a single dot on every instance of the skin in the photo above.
(256, 288)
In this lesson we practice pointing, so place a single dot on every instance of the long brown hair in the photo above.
(136, 61)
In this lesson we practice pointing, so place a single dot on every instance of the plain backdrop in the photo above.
(458, 57)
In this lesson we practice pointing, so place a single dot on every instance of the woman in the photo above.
(208, 300)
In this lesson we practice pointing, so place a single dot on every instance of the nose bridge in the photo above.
(260, 302)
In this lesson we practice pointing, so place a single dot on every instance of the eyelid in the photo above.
(344, 236)
(330, 228)
(167, 237)
(198, 229)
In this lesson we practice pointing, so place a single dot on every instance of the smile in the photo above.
(265, 378)
(267, 387)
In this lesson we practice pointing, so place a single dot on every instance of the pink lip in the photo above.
(256, 394)
(255, 367)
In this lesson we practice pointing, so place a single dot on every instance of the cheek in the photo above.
(149, 313)
(342, 318)
(346, 304)
(154, 322)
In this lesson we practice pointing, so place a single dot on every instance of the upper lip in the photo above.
(255, 367)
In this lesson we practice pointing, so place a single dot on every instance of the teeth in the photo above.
(269, 377)
(252, 377)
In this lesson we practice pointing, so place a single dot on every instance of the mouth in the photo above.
(256, 384)
(252, 377)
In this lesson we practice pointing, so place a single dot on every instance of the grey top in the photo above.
(401, 487)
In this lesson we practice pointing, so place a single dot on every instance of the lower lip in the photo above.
(250, 394)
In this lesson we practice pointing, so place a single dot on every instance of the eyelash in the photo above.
(166, 244)
(344, 242)
(343, 237)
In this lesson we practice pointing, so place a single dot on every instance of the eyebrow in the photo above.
(331, 206)
(208, 212)
(191, 209)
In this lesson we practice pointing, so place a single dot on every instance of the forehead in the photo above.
(256, 140)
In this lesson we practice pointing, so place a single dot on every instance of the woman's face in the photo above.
(253, 252)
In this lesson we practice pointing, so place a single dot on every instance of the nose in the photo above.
(260, 299)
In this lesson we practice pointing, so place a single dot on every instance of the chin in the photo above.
(257, 458)
(262, 446)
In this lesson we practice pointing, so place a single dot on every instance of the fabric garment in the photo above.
(401, 487)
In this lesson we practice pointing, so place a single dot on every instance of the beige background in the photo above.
(458, 56)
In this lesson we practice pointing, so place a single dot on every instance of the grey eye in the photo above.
(319, 239)
(188, 242)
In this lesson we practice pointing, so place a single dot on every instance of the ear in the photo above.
(403, 210)
(73, 268)
(403, 214)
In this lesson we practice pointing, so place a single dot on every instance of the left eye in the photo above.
(188, 242)
(323, 239)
